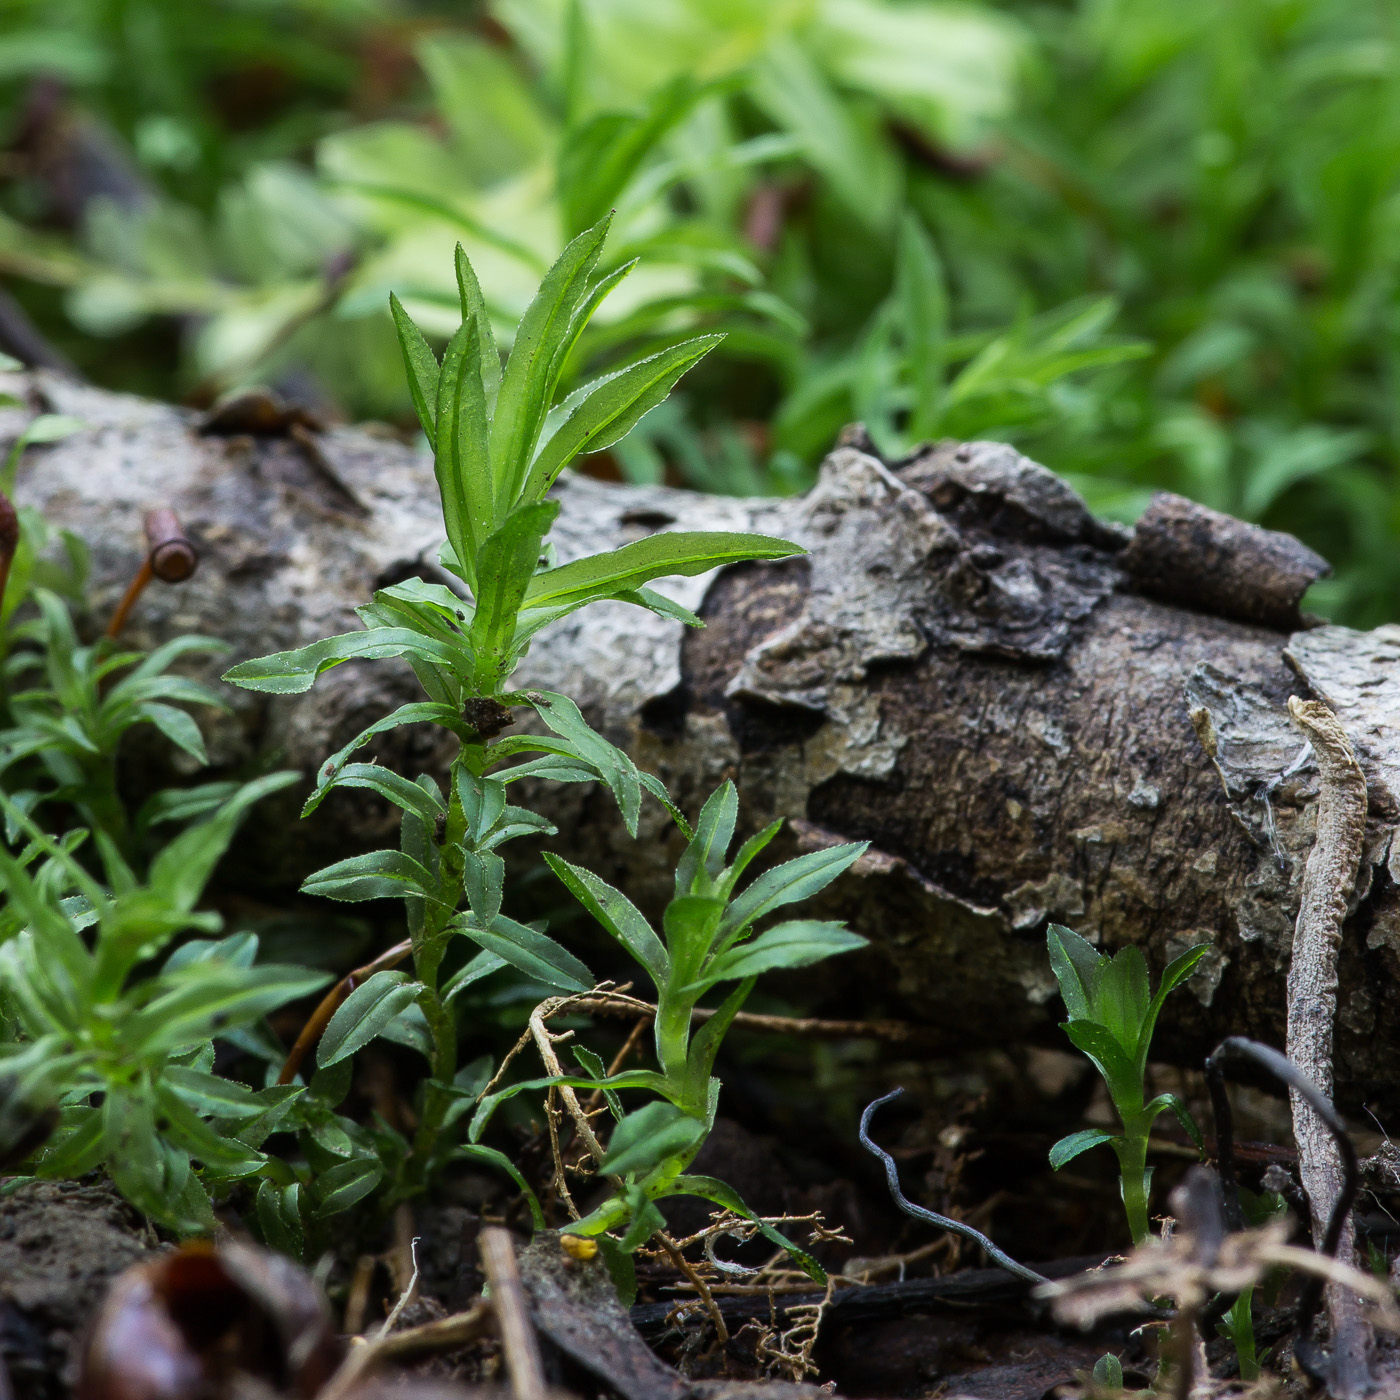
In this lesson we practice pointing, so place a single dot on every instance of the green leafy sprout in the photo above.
(1112, 1014)
(87, 1022)
(499, 443)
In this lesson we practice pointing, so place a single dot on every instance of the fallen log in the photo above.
(1031, 715)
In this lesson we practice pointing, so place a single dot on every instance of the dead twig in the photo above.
(1328, 879)
(446, 1334)
(170, 557)
(518, 1340)
(701, 1287)
(407, 1290)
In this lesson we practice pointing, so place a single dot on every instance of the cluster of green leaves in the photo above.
(1112, 1015)
(706, 939)
(499, 443)
(107, 1028)
(114, 1061)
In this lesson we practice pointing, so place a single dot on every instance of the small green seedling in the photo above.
(1259, 1208)
(1108, 1375)
(706, 940)
(107, 1061)
(1112, 1014)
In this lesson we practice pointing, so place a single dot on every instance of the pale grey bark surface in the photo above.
(961, 672)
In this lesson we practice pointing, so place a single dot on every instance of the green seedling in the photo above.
(499, 442)
(1258, 1208)
(1112, 1014)
(706, 940)
(103, 1064)
(65, 726)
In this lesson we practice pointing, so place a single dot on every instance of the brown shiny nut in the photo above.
(205, 1318)
(578, 1246)
(171, 556)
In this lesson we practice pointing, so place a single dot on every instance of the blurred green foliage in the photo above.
(1155, 245)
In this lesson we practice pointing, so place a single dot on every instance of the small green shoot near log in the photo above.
(706, 940)
(1112, 1014)
(1237, 1326)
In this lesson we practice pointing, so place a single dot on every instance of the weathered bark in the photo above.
(959, 672)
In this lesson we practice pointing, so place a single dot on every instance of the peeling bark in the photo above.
(962, 671)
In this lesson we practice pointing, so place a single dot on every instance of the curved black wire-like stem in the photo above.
(943, 1222)
(1236, 1047)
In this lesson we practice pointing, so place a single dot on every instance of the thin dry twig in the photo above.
(518, 1340)
(409, 1291)
(701, 1287)
(413, 1343)
(1328, 878)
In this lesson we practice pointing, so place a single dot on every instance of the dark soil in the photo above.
(61, 1243)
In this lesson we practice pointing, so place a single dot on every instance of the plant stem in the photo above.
(1132, 1167)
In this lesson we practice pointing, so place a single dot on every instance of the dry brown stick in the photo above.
(320, 1018)
(544, 1043)
(702, 1288)
(809, 1027)
(170, 557)
(357, 1302)
(1328, 879)
(431, 1339)
(403, 1259)
(518, 1341)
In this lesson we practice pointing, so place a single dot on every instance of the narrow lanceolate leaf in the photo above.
(1077, 965)
(474, 310)
(394, 786)
(421, 366)
(347, 1183)
(1068, 1148)
(460, 461)
(683, 552)
(504, 568)
(795, 944)
(613, 409)
(364, 1014)
(293, 672)
(703, 857)
(617, 914)
(527, 387)
(787, 883)
(419, 712)
(537, 955)
(614, 767)
(210, 998)
(378, 875)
